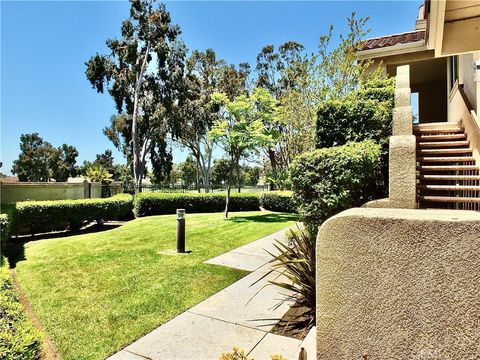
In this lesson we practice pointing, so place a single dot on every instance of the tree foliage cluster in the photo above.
(40, 161)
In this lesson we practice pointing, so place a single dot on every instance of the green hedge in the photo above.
(365, 114)
(18, 338)
(146, 204)
(278, 201)
(4, 229)
(327, 181)
(33, 217)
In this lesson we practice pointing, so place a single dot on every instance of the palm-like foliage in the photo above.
(295, 261)
(98, 173)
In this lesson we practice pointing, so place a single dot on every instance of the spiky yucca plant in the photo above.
(296, 262)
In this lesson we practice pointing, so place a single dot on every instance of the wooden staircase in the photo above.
(448, 176)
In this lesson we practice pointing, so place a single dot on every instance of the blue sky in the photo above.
(44, 45)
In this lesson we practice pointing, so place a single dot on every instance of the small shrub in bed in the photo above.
(31, 217)
(281, 201)
(147, 204)
(18, 338)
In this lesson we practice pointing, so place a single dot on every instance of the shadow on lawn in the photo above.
(15, 250)
(266, 218)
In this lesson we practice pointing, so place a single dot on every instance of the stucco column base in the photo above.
(402, 191)
(399, 284)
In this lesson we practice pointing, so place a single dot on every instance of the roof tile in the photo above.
(391, 40)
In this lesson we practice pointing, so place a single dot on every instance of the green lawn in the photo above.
(97, 292)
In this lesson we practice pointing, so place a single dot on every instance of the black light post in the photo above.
(181, 231)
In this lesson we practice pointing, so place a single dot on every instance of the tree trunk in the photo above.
(273, 159)
(227, 200)
(137, 156)
(229, 181)
(197, 180)
(238, 176)
(206, 182)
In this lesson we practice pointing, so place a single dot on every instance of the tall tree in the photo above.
(203, 75)
(241, 128)
(220, 171)
(62, 163)
(188, 171)
(279, 72)
(144, 75)
(40, 161)
(235, 82)
(105, 160)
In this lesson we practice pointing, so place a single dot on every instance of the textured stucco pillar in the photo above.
(399, 284)
(402, 175)
(402, 121)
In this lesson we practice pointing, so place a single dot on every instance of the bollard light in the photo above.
(181, 231)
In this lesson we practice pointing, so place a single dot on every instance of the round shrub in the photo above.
(327, 181)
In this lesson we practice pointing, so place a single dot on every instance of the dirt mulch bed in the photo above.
(295, 323)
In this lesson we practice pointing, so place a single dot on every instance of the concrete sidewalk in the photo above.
(240, 315)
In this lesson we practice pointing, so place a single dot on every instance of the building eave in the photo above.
(397, 49)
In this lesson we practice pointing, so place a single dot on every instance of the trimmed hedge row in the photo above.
(281, 201)
(31, 217)
(147, 204)
(18, 338)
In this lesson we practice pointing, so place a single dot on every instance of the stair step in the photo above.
(445, 151)
(450, 177)
(452, 159)
(448, 130)
(449, 199)
(449, 187)
(447, 167)
(435, 137)
(438, 125)
(435, 144)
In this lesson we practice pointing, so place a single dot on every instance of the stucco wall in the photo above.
(399, 284)
(12, 192)
(468, 77)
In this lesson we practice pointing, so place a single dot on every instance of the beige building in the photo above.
(438, 63)
(443, 53)
(403, 281)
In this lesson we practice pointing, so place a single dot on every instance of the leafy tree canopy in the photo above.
(40, 161)
(144, 74)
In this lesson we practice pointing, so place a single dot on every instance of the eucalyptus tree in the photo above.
(144, 74)
(279, 72)
(241, 128)
(203, 75)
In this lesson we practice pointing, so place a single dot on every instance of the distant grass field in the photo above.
(97, 292)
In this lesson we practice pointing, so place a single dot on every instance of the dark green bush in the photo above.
(362, 115)
(18, 338)
(4, 229)
(147, 204)
(327, 181)
(33, 217)
(278, 201)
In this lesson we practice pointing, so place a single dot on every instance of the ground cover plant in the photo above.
(18, 338)
(97, 292)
